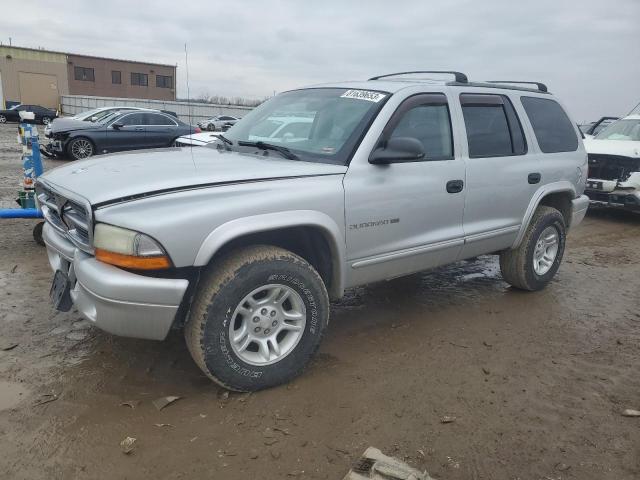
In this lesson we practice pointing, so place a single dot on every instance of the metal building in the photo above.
(41, 77)
(32, 76)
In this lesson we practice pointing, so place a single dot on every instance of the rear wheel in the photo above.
(80, 148)
(257, 318)
(534, 263)
(211, 127)
(46, 120)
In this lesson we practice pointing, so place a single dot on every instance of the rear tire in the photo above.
(535, 262)
(245, 341)
(46, 120)
(211, 127)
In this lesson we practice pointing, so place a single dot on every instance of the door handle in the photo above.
(534, 178)
(455, 186)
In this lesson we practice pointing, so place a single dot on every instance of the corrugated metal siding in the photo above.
(187, 112)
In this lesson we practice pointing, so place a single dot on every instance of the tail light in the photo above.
(197, 130)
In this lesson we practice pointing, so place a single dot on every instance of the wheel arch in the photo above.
(557, 195)
(310, 234)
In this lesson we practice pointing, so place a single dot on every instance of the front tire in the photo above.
(211, 127)
(46, 120)
(3, 119)
(80, 148)
(535, 262)
(257, 318)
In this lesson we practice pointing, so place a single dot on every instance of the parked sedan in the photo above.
(218, 123)
(42, 115)
(93, 115)
(122, 130)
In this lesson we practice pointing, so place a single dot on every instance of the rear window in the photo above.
(554, 131)
(493, 127)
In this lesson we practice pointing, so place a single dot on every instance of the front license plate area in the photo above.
(60, 292)
(594, 185)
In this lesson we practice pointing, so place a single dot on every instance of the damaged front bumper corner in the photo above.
(615, 193)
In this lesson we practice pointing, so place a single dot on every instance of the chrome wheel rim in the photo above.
(81, 148)
(45, 121)
(546, 250)
(3, 119)
(267, 324)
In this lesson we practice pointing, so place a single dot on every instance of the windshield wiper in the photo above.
(284, 151)
(224, 139)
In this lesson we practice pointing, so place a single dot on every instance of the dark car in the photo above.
(127, 130)
(42, 115)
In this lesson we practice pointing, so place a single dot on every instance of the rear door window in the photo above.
(551, 125)
(493, 127)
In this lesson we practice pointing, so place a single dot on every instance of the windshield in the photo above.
(317, 124)
(628, 130)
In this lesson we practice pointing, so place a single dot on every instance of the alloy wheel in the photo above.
(546, 250)
(267, 324)
(81, 148)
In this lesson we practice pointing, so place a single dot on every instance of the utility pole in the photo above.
(9, 41)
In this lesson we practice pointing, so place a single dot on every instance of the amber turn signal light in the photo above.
(155, 262)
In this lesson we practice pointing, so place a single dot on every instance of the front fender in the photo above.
(555, 187)
(233, 229)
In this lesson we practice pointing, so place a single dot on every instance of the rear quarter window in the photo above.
(551, 125)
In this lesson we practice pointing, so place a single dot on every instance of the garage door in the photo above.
(39, 89)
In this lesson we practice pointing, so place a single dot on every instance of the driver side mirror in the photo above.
(398, 150)
(117, 125)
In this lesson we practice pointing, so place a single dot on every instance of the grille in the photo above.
(612, 167)
(66, 216)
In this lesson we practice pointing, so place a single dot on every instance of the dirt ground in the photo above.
(536, 381)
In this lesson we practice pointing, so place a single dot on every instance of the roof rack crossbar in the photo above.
(540, 86)
(460, 77)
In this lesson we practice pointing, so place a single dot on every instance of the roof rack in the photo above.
(541, 86)
(460, 77)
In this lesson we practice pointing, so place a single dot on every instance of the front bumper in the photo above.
(579, 208)
(115, 300)
(629, 200)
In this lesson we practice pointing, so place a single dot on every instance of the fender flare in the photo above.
(236, 228)
(562, 186)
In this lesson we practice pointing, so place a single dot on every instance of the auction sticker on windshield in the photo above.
(364, 95)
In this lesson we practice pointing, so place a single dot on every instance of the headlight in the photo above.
(128, 249)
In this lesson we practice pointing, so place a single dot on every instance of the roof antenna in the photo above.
(186, 63)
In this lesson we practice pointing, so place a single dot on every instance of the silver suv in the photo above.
(244, 242)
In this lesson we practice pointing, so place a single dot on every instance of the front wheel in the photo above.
(257, 318)
(211, 127)
(46, 120)
(534, 263)
(80, 148)
(3, 119)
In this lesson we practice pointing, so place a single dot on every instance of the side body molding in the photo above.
(562, 186)
(333, 234)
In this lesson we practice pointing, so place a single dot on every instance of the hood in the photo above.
(71, 124)
(623, 148)
(109, 178)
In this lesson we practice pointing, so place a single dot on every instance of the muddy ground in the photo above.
(536, 381)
